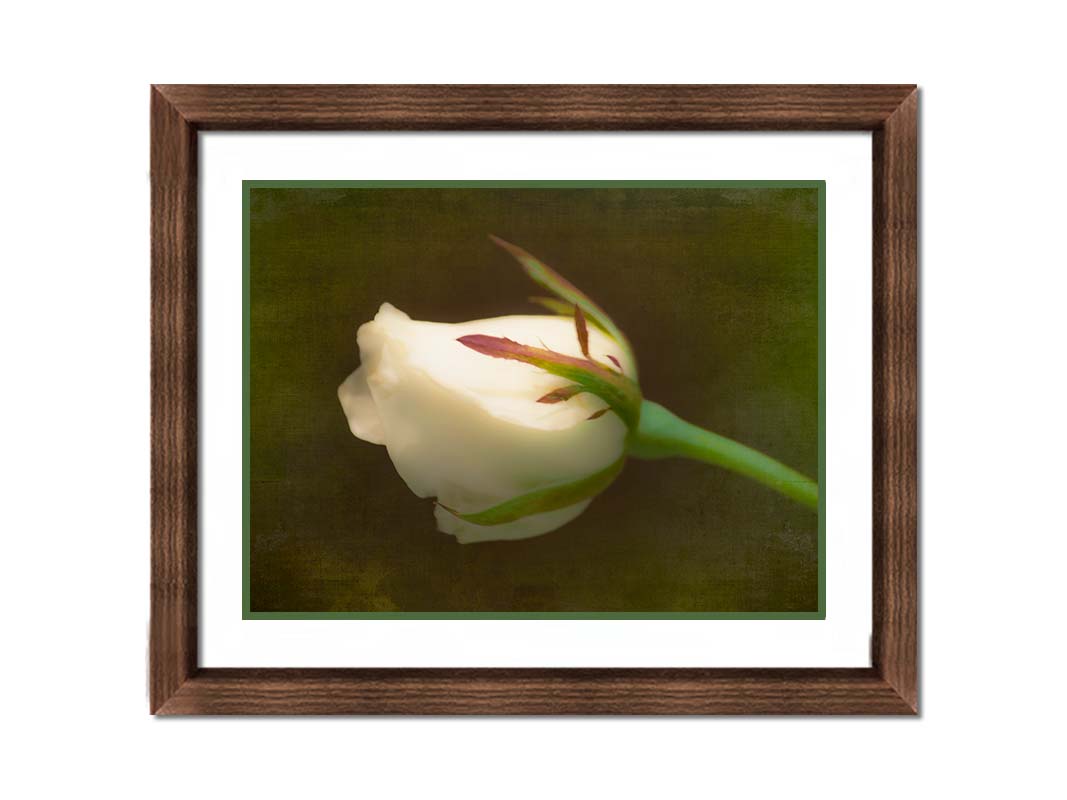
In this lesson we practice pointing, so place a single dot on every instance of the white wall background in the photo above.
(74, 444)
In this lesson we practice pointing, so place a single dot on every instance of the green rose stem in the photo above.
(661, 434)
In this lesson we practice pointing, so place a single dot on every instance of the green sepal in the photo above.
(548, 278)
(562, 394)
(583, 332)
(618, 391)
(562, 308)
(550, 499)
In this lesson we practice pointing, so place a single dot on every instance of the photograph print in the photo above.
(534, 399)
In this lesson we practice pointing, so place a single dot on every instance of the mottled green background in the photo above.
(716, 287)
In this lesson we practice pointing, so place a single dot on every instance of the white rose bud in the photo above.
(504, 421)
(514, 424)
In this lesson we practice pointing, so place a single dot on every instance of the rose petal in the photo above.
(358, 405)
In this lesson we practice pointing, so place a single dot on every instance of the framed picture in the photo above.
(534, 400)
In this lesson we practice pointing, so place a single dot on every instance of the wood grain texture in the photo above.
(536, 691)
(173, 626)
(895, 509)
(537, 107)
(179, 686)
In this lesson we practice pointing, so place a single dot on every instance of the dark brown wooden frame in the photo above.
(178, 685)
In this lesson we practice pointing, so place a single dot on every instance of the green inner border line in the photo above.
(248, 614)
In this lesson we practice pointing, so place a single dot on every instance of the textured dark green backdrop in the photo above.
(717, 288)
